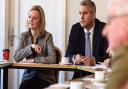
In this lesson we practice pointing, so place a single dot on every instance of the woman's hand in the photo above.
(37, 48)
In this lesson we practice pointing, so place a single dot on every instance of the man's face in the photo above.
(116, 32)
(87, 17)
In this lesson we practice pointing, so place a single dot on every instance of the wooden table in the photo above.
(92, 69)
(42, 66)
(4, 64)
(39, 66)
(88, 69)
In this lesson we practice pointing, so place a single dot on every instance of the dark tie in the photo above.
(87, 45)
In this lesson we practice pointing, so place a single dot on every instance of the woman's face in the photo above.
(34, 19)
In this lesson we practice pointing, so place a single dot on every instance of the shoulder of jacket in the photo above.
(47, 35)
(76, 27)
(100, 22)
(76, 24)
(25, 34)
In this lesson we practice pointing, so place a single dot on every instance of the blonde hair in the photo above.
(42, 19)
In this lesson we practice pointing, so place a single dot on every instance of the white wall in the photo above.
(72, 15)
(3, 26)
(3, 32)
(101, 7)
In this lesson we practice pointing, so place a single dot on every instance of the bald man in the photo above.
(116, 32)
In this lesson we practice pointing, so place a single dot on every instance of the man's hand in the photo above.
(107, 62)
(78, 59)
(88, 61)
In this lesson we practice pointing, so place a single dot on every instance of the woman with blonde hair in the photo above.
(36, 46)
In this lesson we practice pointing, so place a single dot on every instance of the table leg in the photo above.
(5, 78)
(0, 78)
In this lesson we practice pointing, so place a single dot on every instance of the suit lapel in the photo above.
(95, 38)
(81, 40)
(28, 38)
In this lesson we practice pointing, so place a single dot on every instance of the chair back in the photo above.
(58, 55)
(58, 60)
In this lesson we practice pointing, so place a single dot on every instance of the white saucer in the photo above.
(100, 81)
(65, 63)
(94, 80)
(60, 85)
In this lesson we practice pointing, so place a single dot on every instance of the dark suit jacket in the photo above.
(24, 50)
(77, 42)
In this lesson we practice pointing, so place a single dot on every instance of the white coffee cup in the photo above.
(76, 85)
(65, 60)
(99, 75)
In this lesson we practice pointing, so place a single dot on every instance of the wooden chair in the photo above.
(58, 60)
(58, 55)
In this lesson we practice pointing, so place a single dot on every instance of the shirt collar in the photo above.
(91, 30)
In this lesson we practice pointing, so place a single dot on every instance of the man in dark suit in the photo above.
(76, 49)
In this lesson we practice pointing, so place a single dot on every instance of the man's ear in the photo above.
(93, 14)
